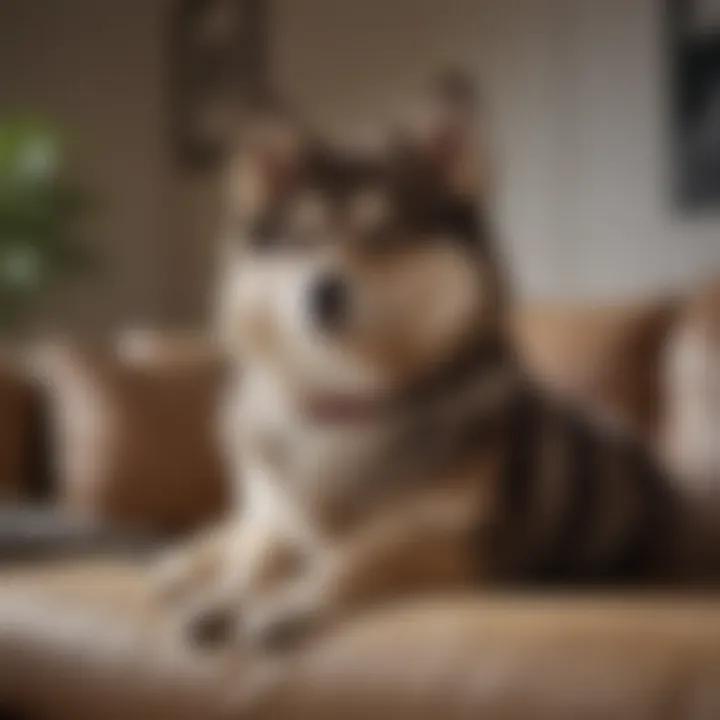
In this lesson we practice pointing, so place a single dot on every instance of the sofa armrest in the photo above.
(17, 415)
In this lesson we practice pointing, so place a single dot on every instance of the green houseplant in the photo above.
(41, 211)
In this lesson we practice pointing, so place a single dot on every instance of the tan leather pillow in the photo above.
(16, 410)
(605, 357)
(691, 376)
(135, 438)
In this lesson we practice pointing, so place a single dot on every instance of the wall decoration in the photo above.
(695, 95)
(217, 60)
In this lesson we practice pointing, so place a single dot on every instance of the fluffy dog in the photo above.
(385, 439)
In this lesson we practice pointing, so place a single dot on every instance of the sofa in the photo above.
(131, 465)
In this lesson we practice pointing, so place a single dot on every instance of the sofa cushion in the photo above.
(133, 438)
(606, 357)
(86, 641)
(690, 434)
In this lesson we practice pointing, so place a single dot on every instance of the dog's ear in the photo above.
(445, 129)
(265, 157)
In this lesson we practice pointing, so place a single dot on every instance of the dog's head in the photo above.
(360, 271)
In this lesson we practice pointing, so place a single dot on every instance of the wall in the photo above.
(576, 117)
(97, 70)
(576, 94)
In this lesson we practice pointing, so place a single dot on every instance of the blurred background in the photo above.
(602, 119)
(602, 123)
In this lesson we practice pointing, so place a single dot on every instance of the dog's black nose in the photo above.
(329, 302)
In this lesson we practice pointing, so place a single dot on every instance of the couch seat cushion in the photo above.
(86, 641)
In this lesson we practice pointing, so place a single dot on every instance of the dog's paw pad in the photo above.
(212, 628)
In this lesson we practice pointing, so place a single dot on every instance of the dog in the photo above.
(386, 439)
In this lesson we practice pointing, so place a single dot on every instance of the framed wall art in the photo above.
(694, 37)
(218, 59)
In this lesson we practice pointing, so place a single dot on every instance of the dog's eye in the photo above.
(266, 234)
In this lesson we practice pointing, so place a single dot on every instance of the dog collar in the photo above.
(480, 364)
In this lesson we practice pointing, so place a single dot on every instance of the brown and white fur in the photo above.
(385, 439)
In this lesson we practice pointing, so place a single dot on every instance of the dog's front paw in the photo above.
(280, 630)
(282, 621)
(172, 577)
(212, 627)
(181, 576)
(217, 623)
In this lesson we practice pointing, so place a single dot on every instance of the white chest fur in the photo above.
(287, 467)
